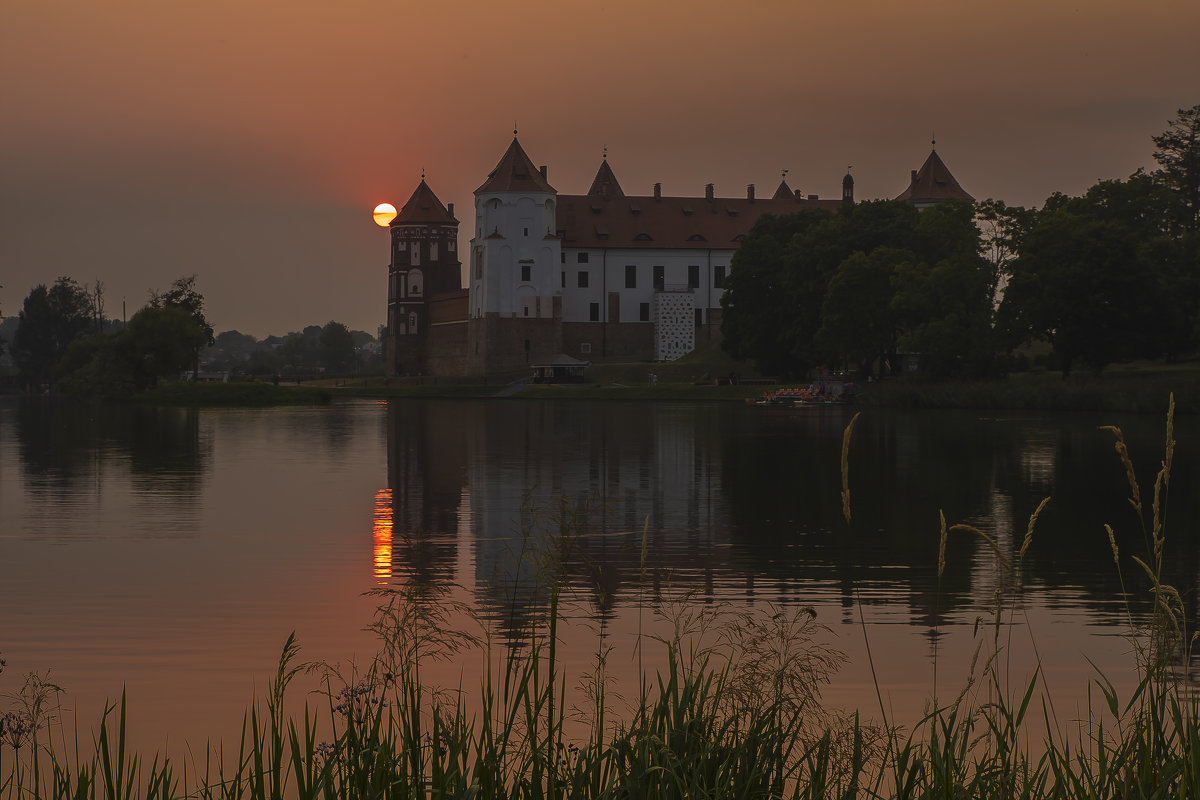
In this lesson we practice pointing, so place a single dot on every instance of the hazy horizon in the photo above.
(248, 143)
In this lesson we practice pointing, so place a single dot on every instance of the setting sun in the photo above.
(384, 214)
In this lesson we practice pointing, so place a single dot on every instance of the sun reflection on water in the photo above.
(382, 534)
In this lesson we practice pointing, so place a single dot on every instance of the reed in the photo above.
(734, 712)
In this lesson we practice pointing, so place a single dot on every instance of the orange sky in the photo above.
(247, 142)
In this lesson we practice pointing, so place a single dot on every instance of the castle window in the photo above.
(581, 258)
(630, 276)
(562, 258)
(564, 279)
(433, 248)
(526, 276)
(478, 263)
(583, 279)
(526, 231)
(699, 317)
(693, 276)
(594, 312)
(415, 259)
(450, 246)
(718, 277)
(644, 312)
(660, 277)
(585, 347)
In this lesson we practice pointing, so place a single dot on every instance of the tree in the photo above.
(183, 295)
(767, 296)
(1098, 277)
(49, 321)
(164, 342)
(813, 287)
(336, 347)
(1178, 155)
(857, 321)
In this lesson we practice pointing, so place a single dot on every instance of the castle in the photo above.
(559, 280)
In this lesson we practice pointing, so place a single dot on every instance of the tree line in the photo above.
(969, 289)
(62, 339)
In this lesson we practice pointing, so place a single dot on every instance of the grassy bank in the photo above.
(1115, 391)
(734, 712)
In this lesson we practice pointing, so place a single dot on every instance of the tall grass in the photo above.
(734, 712)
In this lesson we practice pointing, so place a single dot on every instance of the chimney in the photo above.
(658, 191)
(812, 197)
(914, 176)
(708, 192)
(450, 209)
(750, 192)
(542, 169)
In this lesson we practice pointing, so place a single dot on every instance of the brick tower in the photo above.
(424, 263)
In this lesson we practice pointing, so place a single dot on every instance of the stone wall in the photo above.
(446, 353)
(503, 344)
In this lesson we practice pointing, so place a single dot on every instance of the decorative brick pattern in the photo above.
(674, 317)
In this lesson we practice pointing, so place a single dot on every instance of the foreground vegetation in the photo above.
(735, 711)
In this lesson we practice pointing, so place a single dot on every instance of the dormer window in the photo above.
(643, 237)
(739, 237)
(695, 237)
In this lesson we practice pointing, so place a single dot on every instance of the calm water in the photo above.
(171, 551)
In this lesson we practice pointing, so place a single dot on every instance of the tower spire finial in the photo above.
(514, 128)
(605, 155)
(932, 140)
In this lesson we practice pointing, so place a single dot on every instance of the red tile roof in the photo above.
(423, 207)
(933, 183)
(515, 173)
(595, 221)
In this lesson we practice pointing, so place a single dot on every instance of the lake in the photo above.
(170, 552)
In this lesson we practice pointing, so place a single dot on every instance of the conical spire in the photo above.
(423, 207)
(605, 185)
(933, 183)
(515, 173)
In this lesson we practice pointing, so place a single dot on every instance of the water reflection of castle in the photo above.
(475, 489)
(739, 503)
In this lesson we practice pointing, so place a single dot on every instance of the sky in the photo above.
(246, 142)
